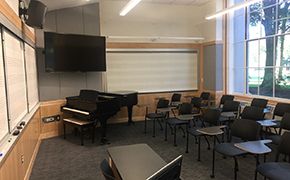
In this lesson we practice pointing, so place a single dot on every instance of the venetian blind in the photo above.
(152, 70)
(31, 73)
(15, 78)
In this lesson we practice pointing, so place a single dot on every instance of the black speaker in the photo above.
(35, 14)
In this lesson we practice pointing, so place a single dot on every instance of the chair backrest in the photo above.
(211, 116)
(253, 113)
(106, 170)
(205, 95)
(285, 122)
(246, 129)
(284, 146)
(185, 108)
(176, 97)
(231, 106)
(170, 171)
(280, 109)
(262, 103)
(163, 103)
(226, 98)
(89, 95)
(196, 102)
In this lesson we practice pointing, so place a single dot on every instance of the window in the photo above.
(264, 68)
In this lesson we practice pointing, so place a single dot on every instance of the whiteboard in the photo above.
(15, 78)
(152, 70)
(3, 104)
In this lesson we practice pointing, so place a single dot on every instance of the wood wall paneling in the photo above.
(19, 161)
(8, 12)
(51, 108)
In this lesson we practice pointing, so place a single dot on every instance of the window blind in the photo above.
(31, 74)
(15, 78)
(3, 104)
(152, 70)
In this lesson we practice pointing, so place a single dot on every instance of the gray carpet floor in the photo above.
(65, 159)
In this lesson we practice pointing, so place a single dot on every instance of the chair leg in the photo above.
(196, 141)
(183, 132)
(161, 128)
(213, 160)
(208, 144)
(175, 136)
(154, 122)
(198, 154)
(187, 139)
(165, 132)
(145, 125)
(236, 168)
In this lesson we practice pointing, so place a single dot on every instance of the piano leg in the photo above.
(130, 110)
(104, 140)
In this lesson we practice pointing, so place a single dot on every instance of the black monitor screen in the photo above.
(67, 52)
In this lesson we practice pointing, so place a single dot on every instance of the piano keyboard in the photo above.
(75, 110)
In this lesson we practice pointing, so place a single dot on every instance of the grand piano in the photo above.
(97, 106)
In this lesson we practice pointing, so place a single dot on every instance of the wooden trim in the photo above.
(152, 45)
(210, 43)
(49, 103)
(9, 13)
(35, 152)
(271, 100)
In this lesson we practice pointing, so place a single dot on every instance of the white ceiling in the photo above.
(59, 4)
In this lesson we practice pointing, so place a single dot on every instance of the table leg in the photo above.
(213, 157)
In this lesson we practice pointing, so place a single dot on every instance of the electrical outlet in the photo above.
(51, 119)
(22, 159)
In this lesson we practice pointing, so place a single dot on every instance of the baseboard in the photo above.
(30, 166)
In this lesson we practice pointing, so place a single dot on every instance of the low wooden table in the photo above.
(133, 162)
(80, 124)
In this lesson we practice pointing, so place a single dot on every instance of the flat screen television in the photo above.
(71, 52)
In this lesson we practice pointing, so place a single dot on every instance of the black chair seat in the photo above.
(155, 115)
(276, 139)
(175, 121)
(194, 132)
(228, 149)
(274, 170)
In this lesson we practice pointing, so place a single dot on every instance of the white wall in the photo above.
(211, 29)
(152, 19)
(149, 19)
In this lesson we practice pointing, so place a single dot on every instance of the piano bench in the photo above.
(81, 124)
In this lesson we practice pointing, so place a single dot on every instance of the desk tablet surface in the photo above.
(254, 147)
(135, 162)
